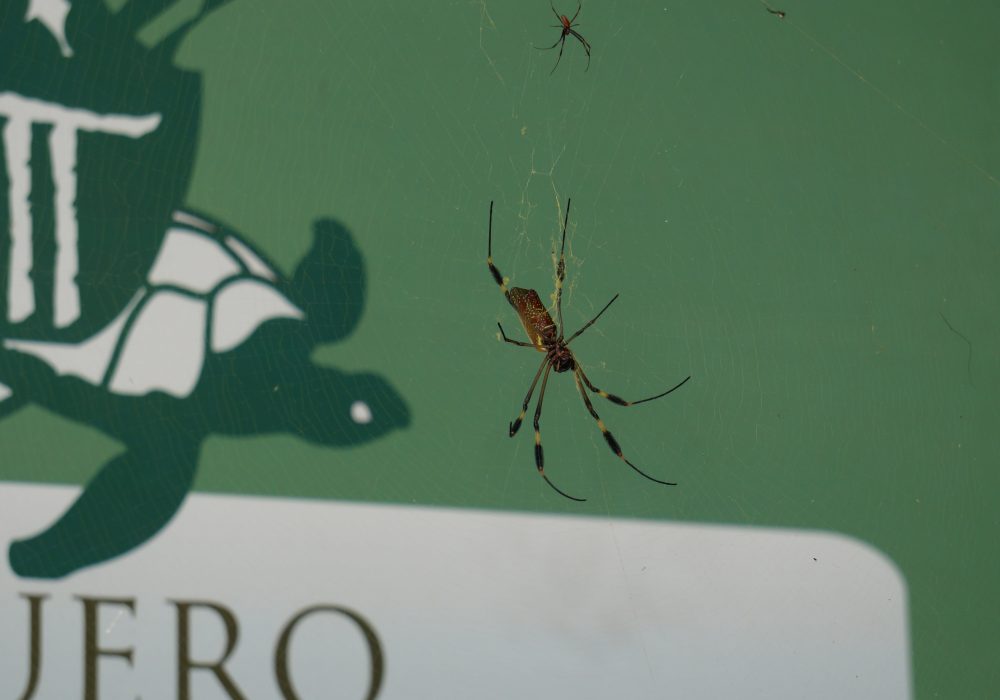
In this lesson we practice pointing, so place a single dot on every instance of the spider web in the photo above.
(798, 212)
(784, 206)
(746, 183)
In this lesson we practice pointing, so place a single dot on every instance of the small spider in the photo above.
(567, 29)
(546, 337)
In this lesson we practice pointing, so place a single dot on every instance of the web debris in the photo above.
(968, 364)
(484, 18)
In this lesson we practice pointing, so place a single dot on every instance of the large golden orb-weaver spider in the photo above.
(549, 338)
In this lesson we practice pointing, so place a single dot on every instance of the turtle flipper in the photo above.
(131, 498)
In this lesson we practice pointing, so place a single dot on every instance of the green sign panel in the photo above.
(249, 343)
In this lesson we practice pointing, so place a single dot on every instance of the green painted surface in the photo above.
(802, 214)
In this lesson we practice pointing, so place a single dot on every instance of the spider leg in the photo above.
(539, 455)
(561, 271)
(549, 48)
(586, 47)
(617, 399)
(562, 39)
(497, 277)
(612, 443)
(591, 321)
(515, 426)
(514, 342)
(579, 6)
(555, 13)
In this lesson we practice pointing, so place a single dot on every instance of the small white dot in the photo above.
(360, 413)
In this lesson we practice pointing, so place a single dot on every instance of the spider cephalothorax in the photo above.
(546, 336)
(561, 359)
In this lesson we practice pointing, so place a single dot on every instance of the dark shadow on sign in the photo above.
(268, 384)
(128, 122)
(78, 76)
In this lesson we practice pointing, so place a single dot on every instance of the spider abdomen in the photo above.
(535, 318)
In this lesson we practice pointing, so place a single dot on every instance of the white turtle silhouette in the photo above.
(202, 294)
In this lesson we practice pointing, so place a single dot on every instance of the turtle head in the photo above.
(329, 283)
(338, 408)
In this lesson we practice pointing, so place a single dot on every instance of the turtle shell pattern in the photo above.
(206, 292)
